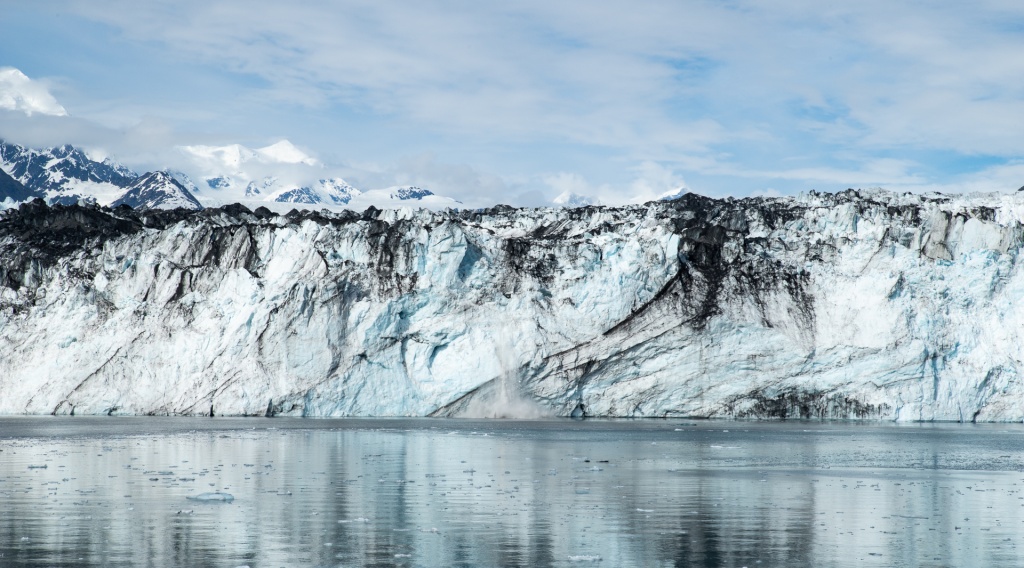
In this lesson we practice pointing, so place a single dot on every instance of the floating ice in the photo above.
(584, 558)
(216, 496)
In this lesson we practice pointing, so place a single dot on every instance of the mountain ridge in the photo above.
(66, 174)
(157, 190)
(13, 190)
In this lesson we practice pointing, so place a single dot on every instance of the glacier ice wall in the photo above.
(861, 304)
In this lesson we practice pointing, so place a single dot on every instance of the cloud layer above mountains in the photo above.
(520, 102)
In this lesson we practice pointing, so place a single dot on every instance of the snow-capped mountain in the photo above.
(282, 173)
(329, 192)
(184, 180)
(275, 174)
(410, 192)
(157, 190)
(335, 191)
(402, 196)
(12, 191)
(862, 304)
(235, 172)
(67, 175)
(64, 173)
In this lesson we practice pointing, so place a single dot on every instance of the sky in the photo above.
(518, 102)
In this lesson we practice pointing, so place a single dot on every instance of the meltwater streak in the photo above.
(505, 401)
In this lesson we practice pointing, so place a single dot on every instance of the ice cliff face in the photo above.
(851, 305)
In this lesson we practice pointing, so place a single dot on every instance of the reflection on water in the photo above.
(114, 492)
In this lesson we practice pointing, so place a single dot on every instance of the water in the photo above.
(115, 492)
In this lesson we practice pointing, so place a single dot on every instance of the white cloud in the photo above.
(651, 181)
(734, 96)
(613, 73)
(654, 181)
(19, 93)
(460, 181)
(231, 158)
(567, 183)
(284, 152)
(1000, 179)
(524, 72)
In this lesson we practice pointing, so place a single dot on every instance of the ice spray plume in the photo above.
(505, 398)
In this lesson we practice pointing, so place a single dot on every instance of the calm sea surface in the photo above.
(424, 492)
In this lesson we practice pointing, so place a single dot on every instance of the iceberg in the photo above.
(216, 497)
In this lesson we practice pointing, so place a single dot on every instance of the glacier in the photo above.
(862, 304)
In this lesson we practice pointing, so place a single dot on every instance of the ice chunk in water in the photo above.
(584, 558)
(213, 497)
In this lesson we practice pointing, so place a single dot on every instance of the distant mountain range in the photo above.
(63, 174)
(157, 190)
(67, 175)
(279, 176)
